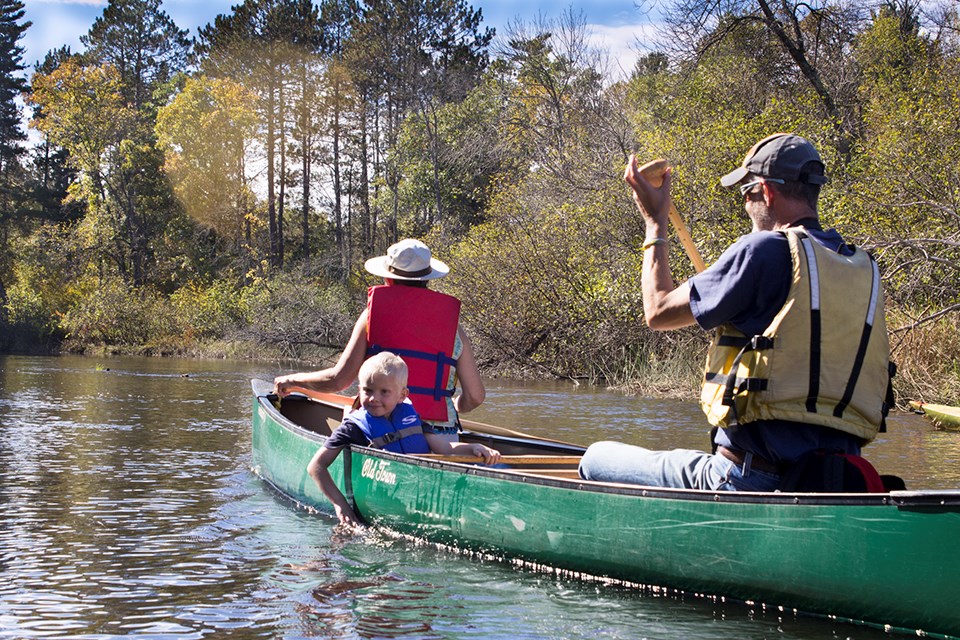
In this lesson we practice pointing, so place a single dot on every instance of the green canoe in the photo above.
(884, 559)
(943, 416)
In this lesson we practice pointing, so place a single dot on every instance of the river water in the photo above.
(128, 509)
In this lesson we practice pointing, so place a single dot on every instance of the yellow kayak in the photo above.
(942, 416)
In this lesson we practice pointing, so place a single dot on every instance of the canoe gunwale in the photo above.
(933, 499)
(938, 499)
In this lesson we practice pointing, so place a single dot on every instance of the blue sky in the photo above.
(615, 24)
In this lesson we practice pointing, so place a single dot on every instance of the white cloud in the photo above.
(55, 24)
(624, 43)
(91, 3)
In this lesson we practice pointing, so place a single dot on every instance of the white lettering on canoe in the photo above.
(378, 471)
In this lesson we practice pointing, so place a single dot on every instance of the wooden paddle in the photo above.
(653, 171)
(519, 460)
(468, 425)
(329, 398)
(493, 430)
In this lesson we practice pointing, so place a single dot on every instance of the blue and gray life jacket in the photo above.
(402, 432)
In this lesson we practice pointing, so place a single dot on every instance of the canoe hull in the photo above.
(887, 559)
(942, 416)
(768, 552)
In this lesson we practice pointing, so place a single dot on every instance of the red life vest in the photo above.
(420, 326)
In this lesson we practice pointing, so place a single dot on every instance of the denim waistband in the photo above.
(740, 457)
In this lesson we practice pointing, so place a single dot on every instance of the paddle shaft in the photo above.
(511, 460)
(477, 427)
(329, 398)
(653, 171)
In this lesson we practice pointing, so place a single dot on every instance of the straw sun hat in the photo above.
(407, 260)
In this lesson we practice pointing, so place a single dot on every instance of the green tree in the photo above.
(258, 44)
(143, 43)
(909, 180)
(12, 84)
(457, 167)
(52, 174)
(559, 116)
(814, 36)
(209, 172)
(83, 110)
(140, 41)
(410, 57)
(308, 88)
(12, 136)
(337, 18)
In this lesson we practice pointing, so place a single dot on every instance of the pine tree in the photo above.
(260, 44)
(142, 42)
(147, 49)
(12, 85)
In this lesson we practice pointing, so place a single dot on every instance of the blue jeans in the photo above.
(680, 468)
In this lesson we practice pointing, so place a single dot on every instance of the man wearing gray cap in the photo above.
(800, 358)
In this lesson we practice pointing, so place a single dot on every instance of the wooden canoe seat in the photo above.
(571, 474)
(513, 461)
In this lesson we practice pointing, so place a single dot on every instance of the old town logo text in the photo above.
(378, 470)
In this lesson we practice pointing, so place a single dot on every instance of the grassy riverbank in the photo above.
(140, 232)
(927, 357)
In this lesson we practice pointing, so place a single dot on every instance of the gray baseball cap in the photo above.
(782, 155)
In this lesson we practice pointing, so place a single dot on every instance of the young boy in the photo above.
(385, 420)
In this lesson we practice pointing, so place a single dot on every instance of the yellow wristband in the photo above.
(652, 242)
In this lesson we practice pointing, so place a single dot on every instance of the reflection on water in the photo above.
(129, 510)
(939, 455)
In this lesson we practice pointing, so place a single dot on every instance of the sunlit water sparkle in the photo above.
(129, 509)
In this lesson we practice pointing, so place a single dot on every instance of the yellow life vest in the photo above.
(824, 359)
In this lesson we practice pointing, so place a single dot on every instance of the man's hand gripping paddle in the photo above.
(653, 171)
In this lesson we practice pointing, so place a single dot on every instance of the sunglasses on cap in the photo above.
(745, 188)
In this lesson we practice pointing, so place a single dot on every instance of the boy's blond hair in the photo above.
(385, 364)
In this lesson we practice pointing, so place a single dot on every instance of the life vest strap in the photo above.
(816, 327)
(435, 393)
(739, 384)
(735, 386)
(393, 436)
(438, 391)
(864, 342)
(440, 358)
(737, 342)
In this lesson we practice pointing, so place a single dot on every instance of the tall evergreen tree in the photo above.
(142, 42)
(12, 85)
(337, 18)
(12, 137)
(134, 50)
(413, 56)
(259, 44)
(144, 45)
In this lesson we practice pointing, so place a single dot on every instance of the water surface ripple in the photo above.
(129, 511)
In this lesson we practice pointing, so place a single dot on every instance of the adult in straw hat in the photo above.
(799, 361)
(422, 326)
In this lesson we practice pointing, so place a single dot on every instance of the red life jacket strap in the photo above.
(441, 359)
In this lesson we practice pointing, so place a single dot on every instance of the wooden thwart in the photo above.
(511, 460)
(569, 474)
(338, 400)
